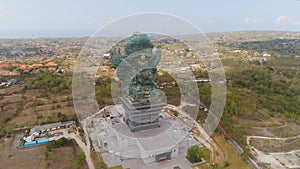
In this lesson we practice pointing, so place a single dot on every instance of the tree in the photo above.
(79, 160)
(48, 146)
(61, 116)
(194, 154)
(226, 164)
(60, 142)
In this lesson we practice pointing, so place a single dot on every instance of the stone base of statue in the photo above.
(141, 116)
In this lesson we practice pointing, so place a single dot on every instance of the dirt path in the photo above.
(286, 158)
(270, 138)
(217, 154)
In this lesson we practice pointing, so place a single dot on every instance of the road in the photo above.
(203, 138)
(210, 144)
(270, 138)
(86, 148)
(269, 157)
(236, 146)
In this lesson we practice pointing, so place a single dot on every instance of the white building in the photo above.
(152, 145)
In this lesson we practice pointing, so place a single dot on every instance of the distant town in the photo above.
(259, 127)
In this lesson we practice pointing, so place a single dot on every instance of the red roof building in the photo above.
(7, 72)
(52, 69)
(4, 65)
(51, 64)
(23, 66)
(36, 65)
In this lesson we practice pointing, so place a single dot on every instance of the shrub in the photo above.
(194, 154)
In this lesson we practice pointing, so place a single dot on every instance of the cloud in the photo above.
(253, 20)
(282, 18)
(285, 19)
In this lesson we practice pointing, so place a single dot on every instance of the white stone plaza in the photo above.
(117, 143)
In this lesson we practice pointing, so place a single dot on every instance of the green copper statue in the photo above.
(136, 67)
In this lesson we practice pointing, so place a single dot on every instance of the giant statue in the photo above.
(136, 68)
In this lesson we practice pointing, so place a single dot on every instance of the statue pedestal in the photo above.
(139, 116)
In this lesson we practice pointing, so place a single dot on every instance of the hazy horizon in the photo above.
(87, 34)
(74, 18)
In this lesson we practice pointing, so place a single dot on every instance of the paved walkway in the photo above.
(137, 163)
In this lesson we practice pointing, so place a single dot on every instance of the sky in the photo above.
(75, 18)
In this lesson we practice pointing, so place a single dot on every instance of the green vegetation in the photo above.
(79, 160)
(53, 148)
(206, 153)
(205, 93)
(259, 93)
(48, 149)
(103, 91)
(173, 95)
(200, 74)
(49, 82)
(49, 158)
(48, 146)
(100, 165)
(281, 47)
(254, 92)
(265, 89)
(3, 131)
(163, 77)
(56, 143)
(226, 164)
(171, 91)
(8, 116)
(60, 142)
(61, 116)
(97, 161)
(232, 158)
(194, 154)
(116, 167)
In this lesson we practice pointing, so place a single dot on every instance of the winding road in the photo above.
(271, 157)
(270, 138)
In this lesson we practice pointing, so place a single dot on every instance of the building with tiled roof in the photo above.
(4, 66)
(36, 65)
(51, 64)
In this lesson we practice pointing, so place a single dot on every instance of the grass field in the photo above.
(116, 167)
(206, 153)
(99, 163)
(231, 155)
